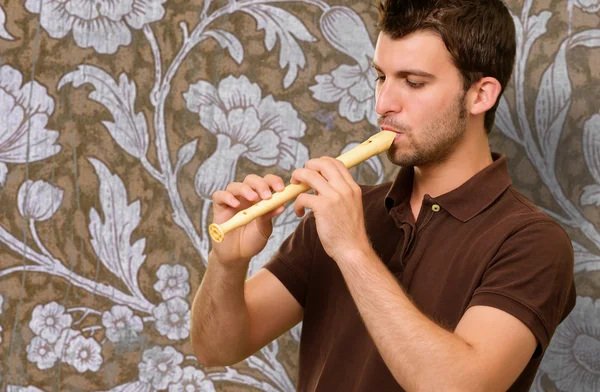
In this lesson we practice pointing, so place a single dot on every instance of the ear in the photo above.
(484, 94)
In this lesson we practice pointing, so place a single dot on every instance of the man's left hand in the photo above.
(336, 204)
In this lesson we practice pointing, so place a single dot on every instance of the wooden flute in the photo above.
(375, 145)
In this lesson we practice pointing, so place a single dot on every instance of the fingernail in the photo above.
(266, 194)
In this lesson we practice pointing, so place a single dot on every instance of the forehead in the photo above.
(423, 50)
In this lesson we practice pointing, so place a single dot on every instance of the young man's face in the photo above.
(419, 95)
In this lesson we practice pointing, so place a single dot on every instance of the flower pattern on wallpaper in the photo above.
(161, 367)
(39, 200)
(173, 318)
(172, 281)
(121, 324)
(84, 354)
(103, 25)
(48, 321)
(589, 6)
(24, 112)
(353, 86)
(262, 130)
(55, 341)
(193, 380)
(573, 357)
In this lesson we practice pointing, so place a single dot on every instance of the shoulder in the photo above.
(530, 237)
(522, 217)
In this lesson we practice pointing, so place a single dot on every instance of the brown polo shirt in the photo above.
(480, 244)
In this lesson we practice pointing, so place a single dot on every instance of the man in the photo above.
(446, 280)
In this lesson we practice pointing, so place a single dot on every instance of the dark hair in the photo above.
(479, 34)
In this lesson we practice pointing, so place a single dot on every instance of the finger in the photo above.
(275, 182)
(264, 223)
(329, 169)
(239, 189)
(346, 176)
(302, 202)
(271, 214)
(314, 180)
(225, 199)
(259, 185)
(343, 170)
(336, 173)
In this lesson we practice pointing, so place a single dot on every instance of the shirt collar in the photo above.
(464, 202)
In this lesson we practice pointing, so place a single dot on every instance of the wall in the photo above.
(116, 122)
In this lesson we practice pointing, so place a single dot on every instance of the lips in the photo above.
(391, 130)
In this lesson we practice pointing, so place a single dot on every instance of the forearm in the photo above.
(421, 355)
(219, 320)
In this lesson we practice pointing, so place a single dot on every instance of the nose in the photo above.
(388, 99)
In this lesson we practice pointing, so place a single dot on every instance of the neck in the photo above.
(470, 157)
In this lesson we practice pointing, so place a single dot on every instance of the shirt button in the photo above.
(435, 208)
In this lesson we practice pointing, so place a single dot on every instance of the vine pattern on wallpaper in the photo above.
(247, 124)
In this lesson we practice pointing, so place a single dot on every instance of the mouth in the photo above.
(398, 133)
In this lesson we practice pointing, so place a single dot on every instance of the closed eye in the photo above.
(414, 84)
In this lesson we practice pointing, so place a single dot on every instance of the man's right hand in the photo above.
(243, 243)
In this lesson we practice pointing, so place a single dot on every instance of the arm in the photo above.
(487, 351)
(232, 318)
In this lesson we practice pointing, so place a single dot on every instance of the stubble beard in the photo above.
(438, 140)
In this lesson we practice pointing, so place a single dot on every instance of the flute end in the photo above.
(216, 232)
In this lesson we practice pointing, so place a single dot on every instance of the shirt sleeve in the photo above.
(292, 262)
(531, 278)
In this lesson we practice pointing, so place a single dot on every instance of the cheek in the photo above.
(427, 105)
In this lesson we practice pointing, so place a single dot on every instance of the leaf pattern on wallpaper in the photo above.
(3, 174)
(591, 130)
(585, 261)
(129, 129)
(591, 154)
(552, 105)
(278, 23)
(535, 28)
(554, 98)
(230, 42)
(504, 121)
(3, 33)
(185, 154)
(111, 237)
(18, 388)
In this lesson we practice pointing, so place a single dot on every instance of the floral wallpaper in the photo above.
(119, 119)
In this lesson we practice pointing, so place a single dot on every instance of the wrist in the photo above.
(358, 253)
(231, 266)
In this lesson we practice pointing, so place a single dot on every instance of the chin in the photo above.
(400, 158)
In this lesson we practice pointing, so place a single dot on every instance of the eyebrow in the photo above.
(406, 72)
